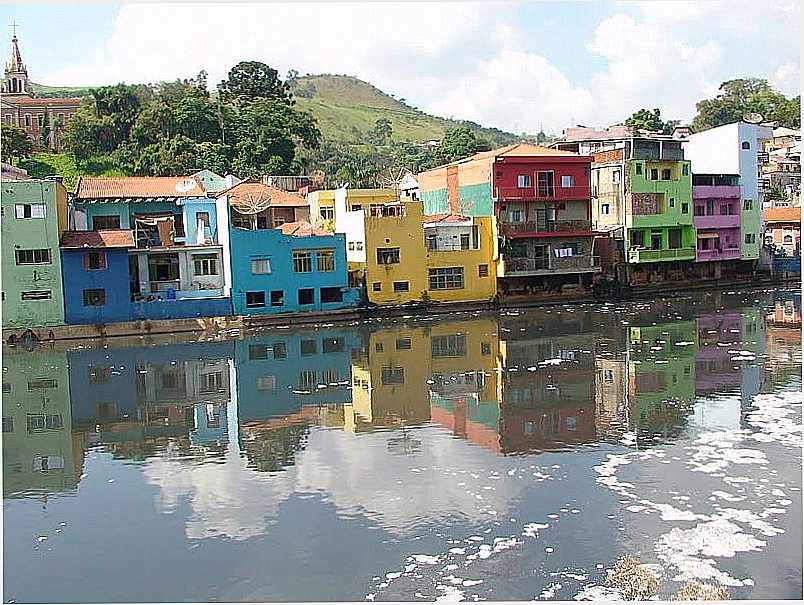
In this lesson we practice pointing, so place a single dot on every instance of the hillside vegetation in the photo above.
(40, 165)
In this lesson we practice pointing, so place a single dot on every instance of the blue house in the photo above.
(275, 266)
(95, 273)
(175, 267)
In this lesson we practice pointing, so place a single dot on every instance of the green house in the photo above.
(34, 215)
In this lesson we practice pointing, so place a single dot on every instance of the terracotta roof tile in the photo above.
(782, 215)
(302, 229)
(445, 217)
(254, 190)
(43, 101)
(109, 238)
(138, 187)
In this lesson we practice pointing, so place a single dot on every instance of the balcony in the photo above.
(542, 193)
(647, 255)
(718, 254)
(441, 246)
(165, 285)
(715, 192)
(522, 267)
(717, 221)
(512, 229)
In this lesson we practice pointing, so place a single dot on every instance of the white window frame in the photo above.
(567, 181)
(261, 266)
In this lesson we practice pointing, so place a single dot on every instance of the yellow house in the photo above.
(322, 203)
(441, 258)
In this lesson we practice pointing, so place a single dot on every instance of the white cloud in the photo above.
(787, 79)
(468, 60)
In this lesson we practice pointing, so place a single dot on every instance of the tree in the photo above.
(382, 131)
(15, 143)
(646, 119)
(741, 96)
(44, 132)
(458, 143)
(249, 80)
(541, 138)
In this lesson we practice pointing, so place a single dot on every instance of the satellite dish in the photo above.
(251, 202)
(317, 177)
(753, 118)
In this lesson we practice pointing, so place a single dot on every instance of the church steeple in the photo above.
(17, 82)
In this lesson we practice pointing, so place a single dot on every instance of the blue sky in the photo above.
(515, 65)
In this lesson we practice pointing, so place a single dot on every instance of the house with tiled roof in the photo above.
(274, 259)
(540, 198)
(19, 106)
(175, 264)
(783, 229)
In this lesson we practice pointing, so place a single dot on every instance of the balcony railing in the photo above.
(717, 221)
(718, 254)
(647, 255)
(509, 228)
(165, 285)
(542, 192)
(436, 246)
(549, 264)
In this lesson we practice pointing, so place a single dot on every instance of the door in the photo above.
(656, 241)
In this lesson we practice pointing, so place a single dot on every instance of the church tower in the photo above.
(16, 82)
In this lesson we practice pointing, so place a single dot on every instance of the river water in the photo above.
(475, 457)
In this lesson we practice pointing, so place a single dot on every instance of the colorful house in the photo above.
(642, 195)
(295, 268)
(716, 198)
(540, 198)
(95, 265)
(323, 208)
(783, 230)
(175, 266)
(442, 258)
(34, 216)
(735, 149)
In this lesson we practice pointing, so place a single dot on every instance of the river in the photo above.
(466, 457)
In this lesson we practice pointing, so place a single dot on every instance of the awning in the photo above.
(708, 235)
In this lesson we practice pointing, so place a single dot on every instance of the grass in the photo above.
(40, 165)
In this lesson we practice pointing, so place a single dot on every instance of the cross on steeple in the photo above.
(13, 27)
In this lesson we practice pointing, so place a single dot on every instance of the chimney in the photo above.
(453, 193)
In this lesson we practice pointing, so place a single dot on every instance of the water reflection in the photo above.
(511, 385)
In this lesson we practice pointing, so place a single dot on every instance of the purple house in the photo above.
(717, 218)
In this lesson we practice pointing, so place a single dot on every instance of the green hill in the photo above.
(40, 90)
(347, 108)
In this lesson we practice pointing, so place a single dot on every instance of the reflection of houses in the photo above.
(549, 401)
(175, 265)
(714, 369)
(40, 451)
(662, 376)
(611, 396)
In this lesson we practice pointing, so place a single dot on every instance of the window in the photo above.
(748, 204)
(387, 256)
(403, 344)
(331, 295)
(464, 241)
(637, 238)
(358, 246)
(95, 261)
(163, 267)
(615, 175)
(202, 218)
(333, 345)
(8, 424)
(654, 174)
(605, 209)
(392, 375)
(255, 299)
(6, 388)
(672, 202)
(331, 376)
(99, 375)
(260, 266)
(28, 120)
(29, 210)
(326, 260)
(750, 238)
(266, 383)
(39, 256)
(787, 239)
(567, 180)
(485, 348)
(351, 245)
(378, 347)
(309, 347)
(608, 376)
(523, 180)
(446, 278)
(452, 345)
(94, 297)
(306, 296)
(42, 422)
(482, 270)
(685, 169)
(327, 213)
(41, 384)
(105, 221)
(674, 238)
(544, 184)
(516, 216)
(665, 174)
(307, 380)
(36, 295)
(376, 286)
(746, 145)
(401, 286)
(685, 208)
(277, 298)
(212, 382)
(638, 167)
(302, 262)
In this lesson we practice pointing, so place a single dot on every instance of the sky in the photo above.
(519, 66)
